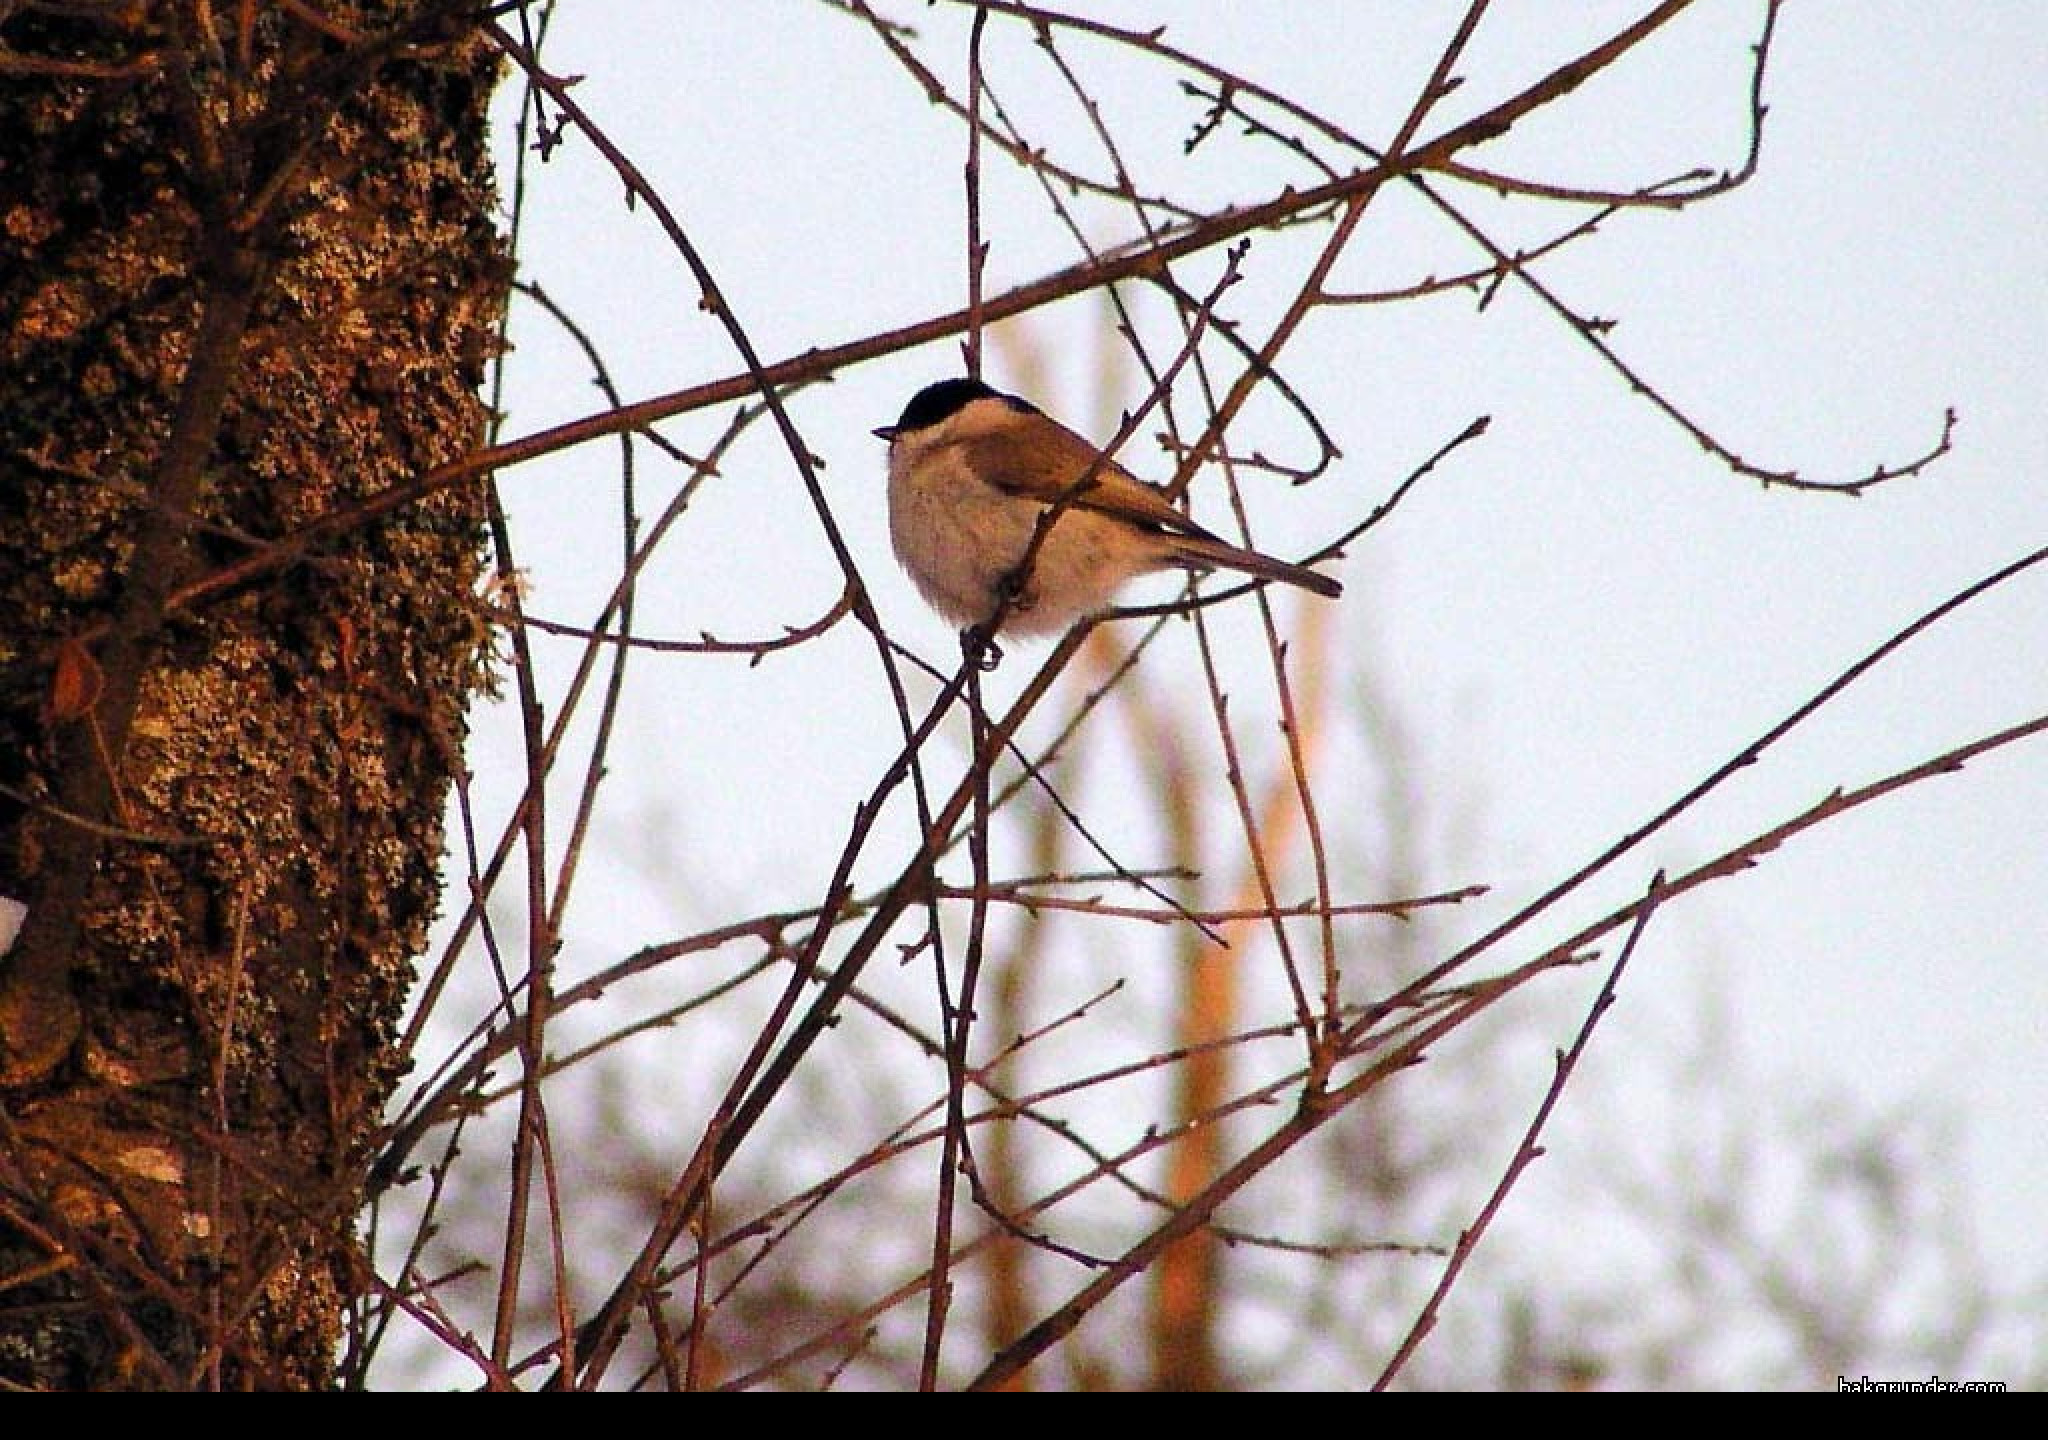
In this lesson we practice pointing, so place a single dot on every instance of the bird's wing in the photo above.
(1046, 471)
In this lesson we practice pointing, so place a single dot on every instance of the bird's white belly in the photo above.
(960, 540)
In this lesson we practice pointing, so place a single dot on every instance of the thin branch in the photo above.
(1528, 1151)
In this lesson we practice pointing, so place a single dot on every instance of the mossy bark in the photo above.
(248, 277)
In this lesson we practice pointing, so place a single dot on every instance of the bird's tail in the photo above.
(1207, 552)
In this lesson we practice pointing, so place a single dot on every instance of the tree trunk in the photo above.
(248, 277)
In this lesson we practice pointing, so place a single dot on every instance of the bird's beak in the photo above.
(884, 432)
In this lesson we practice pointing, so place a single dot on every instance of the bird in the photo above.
(972, 471)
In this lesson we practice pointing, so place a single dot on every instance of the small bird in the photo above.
(971, 470)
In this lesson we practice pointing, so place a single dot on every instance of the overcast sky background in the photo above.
(1578, 619)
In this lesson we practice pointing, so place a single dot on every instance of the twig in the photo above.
(1528, 1151)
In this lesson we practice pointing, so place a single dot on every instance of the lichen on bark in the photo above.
(247, 279)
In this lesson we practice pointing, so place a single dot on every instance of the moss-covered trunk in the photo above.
(248, 277)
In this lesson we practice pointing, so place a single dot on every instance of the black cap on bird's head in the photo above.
(944, 398)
